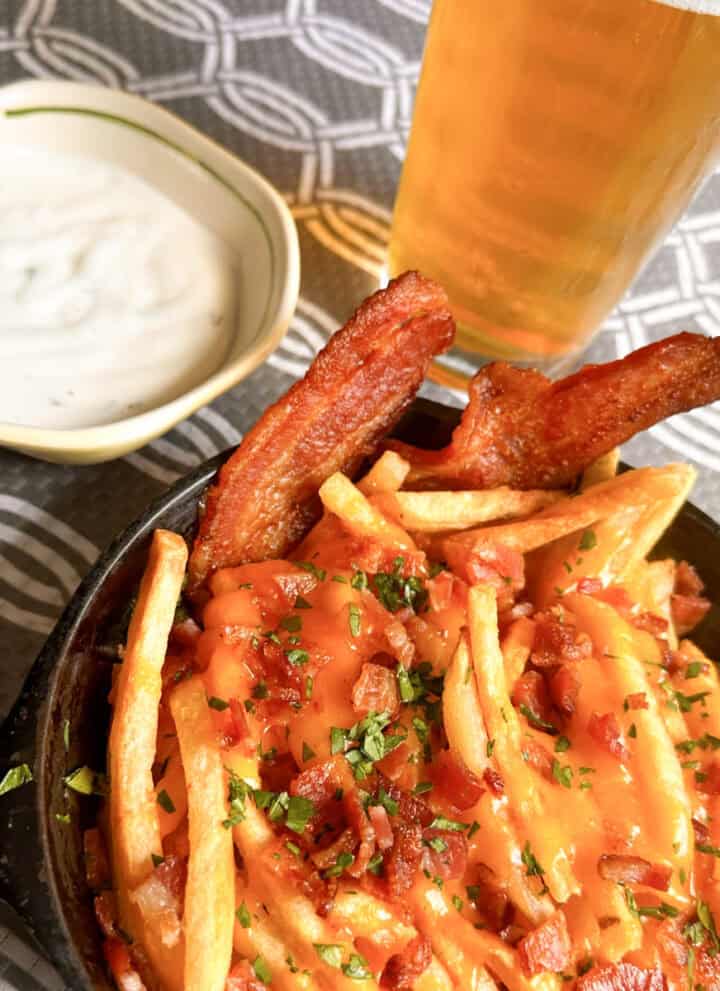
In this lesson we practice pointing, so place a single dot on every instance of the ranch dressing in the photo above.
(112, 299)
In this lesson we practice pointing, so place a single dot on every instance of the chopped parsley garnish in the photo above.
(693, 669)
(536, 721)
(357, 968)
(260, 691)
(243, 916)
(293, 624)
(165, 802)
(661, 911)
(632, 731)
(301, 603)
(706, 742)
(307, 752)
(588, 540)
(713, 851)
(329, 953)
(319, 573)
(359, 580)
(421, 787)
(238, 791)
(375, 864)
(561, 745)
(309, 682)
(489, 747)
(562, 773)
(63, 817)
(354, 619)
(300, 811)
(396, 592)
(436, 843)
(440, 822)
(249, 706)
(405, 685)
(388, 803)
(293, 848)
(532, 866)
(474, 827)
(473, 892)
(457, 902)
(686, 702)
(219, 704)
(85, 781)
(272, 636)
(262, 970)
(342, 861)
(297, 657)
(15, 777)
(365, 743)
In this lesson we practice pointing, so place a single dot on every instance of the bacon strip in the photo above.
(520, 429)
(621, 977)
(333, 419)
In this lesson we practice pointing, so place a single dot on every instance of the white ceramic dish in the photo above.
(218, 190)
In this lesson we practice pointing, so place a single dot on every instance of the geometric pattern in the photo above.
(318, 96)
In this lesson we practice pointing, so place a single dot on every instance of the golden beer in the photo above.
(554, 143)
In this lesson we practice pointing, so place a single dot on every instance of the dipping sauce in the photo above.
(112, 299)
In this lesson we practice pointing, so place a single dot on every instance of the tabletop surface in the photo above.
(317, 95)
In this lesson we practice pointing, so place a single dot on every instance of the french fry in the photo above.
(210, 891)
(439, 512)
(135, 830)
(386, 475)
(601, 470)
(629, 495)
(462, 715)
(346, 501)
(501, 723)
(516, 647)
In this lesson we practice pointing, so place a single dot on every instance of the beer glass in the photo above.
(553, 144)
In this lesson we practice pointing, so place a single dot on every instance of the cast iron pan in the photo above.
(41, 865)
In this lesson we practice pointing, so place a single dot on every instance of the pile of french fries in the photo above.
(541, 837)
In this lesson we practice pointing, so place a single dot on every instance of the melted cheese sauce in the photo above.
(114, 301)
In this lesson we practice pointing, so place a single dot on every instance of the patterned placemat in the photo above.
(316, 94)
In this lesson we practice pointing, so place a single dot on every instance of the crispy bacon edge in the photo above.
(334, 418)
(520, 429)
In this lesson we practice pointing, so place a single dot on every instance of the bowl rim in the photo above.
(156, 123)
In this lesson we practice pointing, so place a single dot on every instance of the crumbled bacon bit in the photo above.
(589, 586)
(173, 874)
(538, 756)
(450, 860)
(637, 700)
(399, 642)
(106, 913)
(402, 970)
(242, 978)
(688, 611)
(375, 690)
(489, 899)
(547, 947)
(701, 830)
(530, 690)
(121, 967)
(710, 783)
(494, 781)
(564, 688)
(687, 580)
(381, 824)
(403, 861)
(440, 590)
(455, 782)
(239, 729)
(605, 730)
(627, 869)
(358, 820)
(621, 977)
(650, 622)
(97, 868)
(618, 598)
(557, 641)
(488, 563)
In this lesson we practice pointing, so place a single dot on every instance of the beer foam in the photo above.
(696, 6)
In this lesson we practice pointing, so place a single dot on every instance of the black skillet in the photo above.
(41, 865)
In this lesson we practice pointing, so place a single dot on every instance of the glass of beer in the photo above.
(553, 144)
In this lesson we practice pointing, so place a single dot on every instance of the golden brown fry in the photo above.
(437, 512)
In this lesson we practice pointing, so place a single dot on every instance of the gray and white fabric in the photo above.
(318, 96)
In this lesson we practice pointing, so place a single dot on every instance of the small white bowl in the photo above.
(220, 192)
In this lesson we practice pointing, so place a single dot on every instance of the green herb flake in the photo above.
(588, 541)
(242, 914)
(260, 691)
(375, 864)
(440, 822)
(712, 851)
(354, 619)
(16, 777)
(458, 902)
(388, 803)
(262, 970)
(309, 684)
(157, 859)
(338, 739)
(421, 787)
(319, 573)
(330, 954)
(307, 752)
(342, 861)
(632, 731)
(301, 603)
(562, 773)
(474, 828)
(219, 704)
(293, 624)
(694, 669)
(299, 812)
(63, 817)
(536, 721)
(165, 802)
(359, 580)
(297, 657)
(489, 747)
(562, 744)
(357, 968)
(84, 781)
